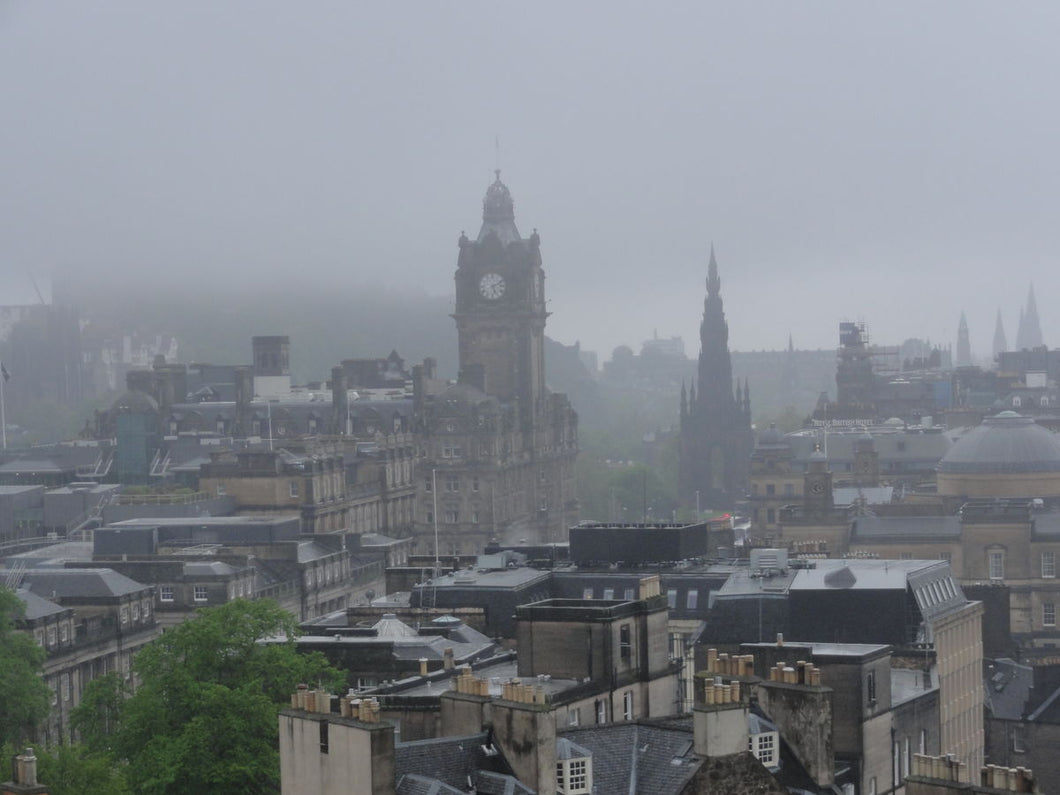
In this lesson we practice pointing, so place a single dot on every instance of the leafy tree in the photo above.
(98, 715)
(24, 697)
(75, 770)
(203, 718)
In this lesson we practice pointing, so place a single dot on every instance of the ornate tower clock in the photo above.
(500, 308)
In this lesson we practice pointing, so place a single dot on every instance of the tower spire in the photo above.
(713, 280)
(1000, 343)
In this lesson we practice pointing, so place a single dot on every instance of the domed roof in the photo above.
(498, 213)
(135, 402)
(1005, 443)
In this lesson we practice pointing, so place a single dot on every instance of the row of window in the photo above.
(996, 564)
(452, 483)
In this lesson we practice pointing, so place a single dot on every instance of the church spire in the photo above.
(1034, 326)
(1000, 343)
(713, 281)
(964, 346)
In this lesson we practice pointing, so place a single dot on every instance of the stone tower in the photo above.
(1029, 335)
(716, 439)
(1000, 343)
(499, 448)
(964, 345)
(500, 308)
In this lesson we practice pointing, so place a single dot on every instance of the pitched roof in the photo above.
(81, 583)
(665, 760)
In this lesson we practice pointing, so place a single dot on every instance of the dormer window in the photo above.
(574, 768)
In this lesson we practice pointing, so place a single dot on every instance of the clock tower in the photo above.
(500, 308)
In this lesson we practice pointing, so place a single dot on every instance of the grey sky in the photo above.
(892, 162)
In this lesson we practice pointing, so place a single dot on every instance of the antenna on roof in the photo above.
(497, 155)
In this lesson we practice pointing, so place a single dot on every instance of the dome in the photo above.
(1005, 443)
(498, 213)
(135, 402)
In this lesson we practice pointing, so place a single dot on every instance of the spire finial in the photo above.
(713, 281)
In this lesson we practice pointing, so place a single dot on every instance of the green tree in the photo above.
(203, 718)
(74, 770)
(24, 697)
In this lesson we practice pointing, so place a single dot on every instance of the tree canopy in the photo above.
(203, 717)
(24, 697)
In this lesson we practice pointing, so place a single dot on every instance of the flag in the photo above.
(4, 372)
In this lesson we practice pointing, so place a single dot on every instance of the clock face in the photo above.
(817, 488)
(491, 286)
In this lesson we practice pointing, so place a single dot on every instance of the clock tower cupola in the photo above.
(500, 307)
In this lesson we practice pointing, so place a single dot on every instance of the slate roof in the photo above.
(81, 583)
(38, 606)
(665, 759)
(873, 495)
(448, 759)
(412, 784)
(1007, 686)
(906, 528)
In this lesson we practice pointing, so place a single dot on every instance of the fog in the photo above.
(894, 163)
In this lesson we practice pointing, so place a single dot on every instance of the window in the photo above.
(64, 632)
(789, 489)
(625, 644)
(577, 775)
(200, 593)
(573, 776)
(574, 717)
(996, 559)
(692, 599)
(165, 593)
(627, 705)
(771, 489)
(428, 484)
(587, 593)
(771, 516)
(905, 758)
(452, 483)
(1048, 564)
(474, 483)
(430, 517)
(1019, 738)
(124, 615)
(324, 736)
(136, 611)
(474, 516)
(1048, 614)
(872, 786)
(629, 595)
(65, 686)
(221, 490)
(451, 517)
(609, 593)
(293, 488)
(764, 747)
(671, 599)
(601, 711)
(870, 686)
